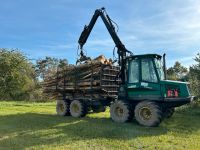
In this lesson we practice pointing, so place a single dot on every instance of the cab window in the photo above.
(148, 70)
(134, 71)
(159, 69)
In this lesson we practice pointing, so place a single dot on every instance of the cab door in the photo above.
(143, 82)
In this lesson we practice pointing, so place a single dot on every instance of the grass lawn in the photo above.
(36, 126)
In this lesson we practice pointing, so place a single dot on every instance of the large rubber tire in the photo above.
(62, 108)
(168, 113)
(120, 111)
(78, 108)
(148, 114)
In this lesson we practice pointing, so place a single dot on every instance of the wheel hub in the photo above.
(119, 112)
(62, 108)
(145, 113)
(75, 108)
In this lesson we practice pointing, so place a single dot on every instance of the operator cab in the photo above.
(146, 68)
(144, 73)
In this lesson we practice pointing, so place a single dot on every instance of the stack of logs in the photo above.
(97, 78)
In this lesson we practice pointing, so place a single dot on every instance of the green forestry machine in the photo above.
(143, 93)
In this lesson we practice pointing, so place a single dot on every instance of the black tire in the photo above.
(148, 114)
(120, 111)
(62, 108)
(78, 108)
(168, 113)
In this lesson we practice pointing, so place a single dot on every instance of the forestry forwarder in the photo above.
(144, 91)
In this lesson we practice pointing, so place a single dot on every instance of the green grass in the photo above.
(36, 126)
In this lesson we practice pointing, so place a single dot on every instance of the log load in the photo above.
(94, 79)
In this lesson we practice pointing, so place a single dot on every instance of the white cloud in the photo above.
(162, 26)
(100, 42)
(174, 29)
(58, 46)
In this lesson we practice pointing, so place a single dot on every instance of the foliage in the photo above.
(47, 67)
(21, 79)
(17, 75)
(177, 72)
(35, 126)
(194, 77)
(44, 69)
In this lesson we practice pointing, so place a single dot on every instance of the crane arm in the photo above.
(121, 49)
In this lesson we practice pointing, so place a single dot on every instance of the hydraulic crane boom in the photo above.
(121, 49)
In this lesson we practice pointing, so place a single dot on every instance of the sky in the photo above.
(42, 28)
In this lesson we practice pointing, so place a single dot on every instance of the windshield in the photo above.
(148, 70)
(159, 68)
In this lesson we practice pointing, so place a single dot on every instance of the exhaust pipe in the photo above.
(164, 66)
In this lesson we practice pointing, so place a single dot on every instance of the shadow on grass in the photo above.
(32, 129)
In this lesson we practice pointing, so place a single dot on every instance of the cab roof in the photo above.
(145, 56)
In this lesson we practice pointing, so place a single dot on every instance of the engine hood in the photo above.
(173, 82)
(181, 86)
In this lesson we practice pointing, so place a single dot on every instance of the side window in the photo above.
(148, 71)
(134, 71)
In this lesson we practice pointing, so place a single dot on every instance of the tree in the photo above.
(194, 76)
(177, 72)
(17, 75)
(62, 63)
(47, 67)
